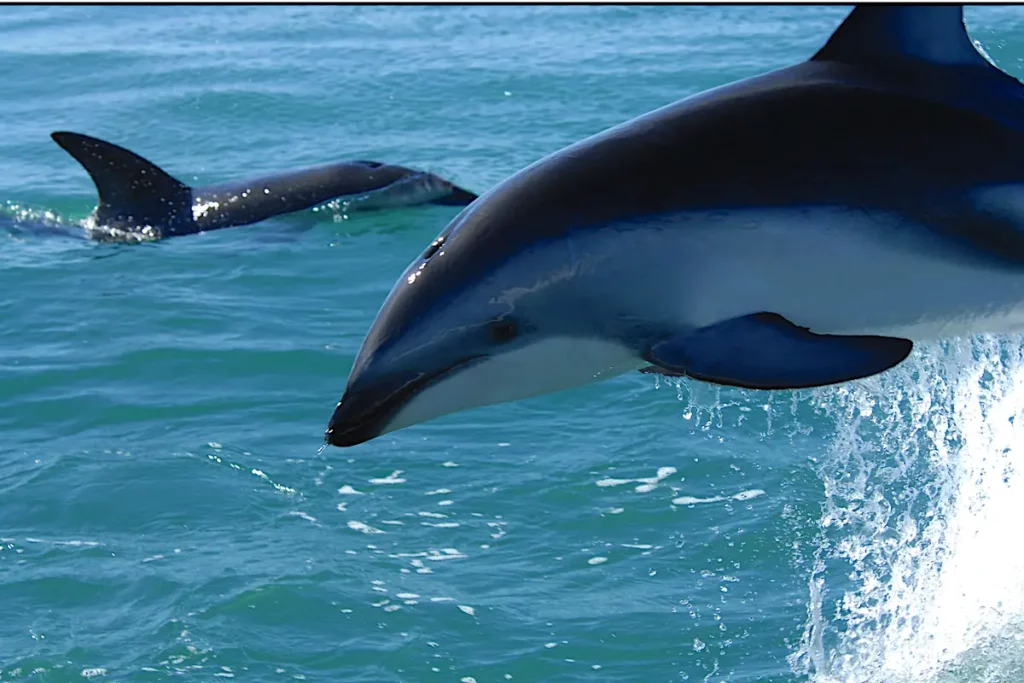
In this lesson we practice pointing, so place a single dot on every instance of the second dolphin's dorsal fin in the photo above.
(928, 33)
(131, 189)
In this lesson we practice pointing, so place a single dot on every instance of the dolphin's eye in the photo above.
(503, 331)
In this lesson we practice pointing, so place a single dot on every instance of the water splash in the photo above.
(106, 233)
(20, 221)
(19, 213)
(918, 573)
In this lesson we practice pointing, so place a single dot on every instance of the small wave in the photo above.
(106, 233)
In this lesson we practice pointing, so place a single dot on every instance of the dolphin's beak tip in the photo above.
(330, 434)
(344, 429)
(334, 438)
(344, 439)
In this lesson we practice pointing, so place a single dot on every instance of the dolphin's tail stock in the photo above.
(133, 192)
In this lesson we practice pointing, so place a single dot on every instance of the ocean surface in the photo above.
(166, 512)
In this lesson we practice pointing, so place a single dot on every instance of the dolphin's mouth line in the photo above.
(352, 426)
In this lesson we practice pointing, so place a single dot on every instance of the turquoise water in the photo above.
(165, 512)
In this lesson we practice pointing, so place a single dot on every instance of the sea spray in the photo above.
(918, 573)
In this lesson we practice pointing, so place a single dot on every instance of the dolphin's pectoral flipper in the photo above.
(131, 189)
(766, 351)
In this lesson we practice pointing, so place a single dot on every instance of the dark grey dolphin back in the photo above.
(133, 192)
(241, 202)
(831, 131)
(248, 201)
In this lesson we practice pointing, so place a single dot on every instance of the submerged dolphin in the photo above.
(795, 229)
(137, 197)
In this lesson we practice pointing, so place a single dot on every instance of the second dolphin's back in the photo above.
(383, 185)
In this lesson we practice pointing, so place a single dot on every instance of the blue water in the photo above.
(165, 512)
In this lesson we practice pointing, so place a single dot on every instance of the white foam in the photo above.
(69, 544)
(264, 477)
(362, 527)
(303, 515)
(392, 478)
(644, 484)
(924, 492)
(742, 495)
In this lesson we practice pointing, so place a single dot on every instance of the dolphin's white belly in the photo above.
(834, 271)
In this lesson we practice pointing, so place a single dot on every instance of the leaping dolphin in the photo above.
(137, 198)
(796, 229)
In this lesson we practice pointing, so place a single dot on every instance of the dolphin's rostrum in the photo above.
(796, 229)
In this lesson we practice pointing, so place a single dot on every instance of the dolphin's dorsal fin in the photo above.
(929, 33)
(130, 188)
